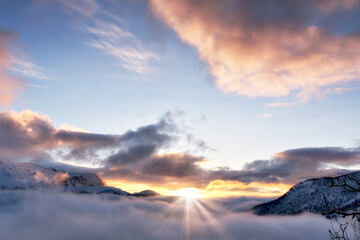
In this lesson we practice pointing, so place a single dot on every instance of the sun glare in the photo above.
(189, 193)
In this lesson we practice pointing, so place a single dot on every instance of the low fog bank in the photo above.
(52, 215)
(240, 204)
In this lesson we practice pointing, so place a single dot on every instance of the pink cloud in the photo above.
(268, 48)
(10, 87)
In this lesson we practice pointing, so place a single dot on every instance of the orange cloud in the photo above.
(217, 188)
(221, 188)
(267, 48)
(10, 87)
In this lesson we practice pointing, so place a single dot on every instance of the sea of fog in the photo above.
(48, 215)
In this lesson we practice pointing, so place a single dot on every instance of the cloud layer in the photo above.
(26, 215)
(271, 48)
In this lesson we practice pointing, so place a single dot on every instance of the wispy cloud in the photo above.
(121, 44)
(130, 57)
(83, 8)
(306, 95)
(109, 35)
(26, 68)
(281, 104)
(38, 86)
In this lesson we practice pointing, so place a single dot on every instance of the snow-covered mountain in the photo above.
(18, 175)
(319, 195)
(14, 175)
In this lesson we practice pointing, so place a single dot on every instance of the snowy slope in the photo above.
(313, 195)
(16, 175)
(27, 175)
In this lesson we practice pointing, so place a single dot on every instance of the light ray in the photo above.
(198, 217)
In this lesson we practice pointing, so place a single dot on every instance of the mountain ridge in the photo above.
(26, 176)
(316, 195)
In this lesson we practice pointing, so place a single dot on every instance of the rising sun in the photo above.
(189, 193)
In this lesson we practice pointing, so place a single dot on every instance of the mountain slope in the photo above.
(18, 175)
(314, 195)
(27, 175)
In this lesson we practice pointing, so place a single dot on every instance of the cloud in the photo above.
(293, 165)
(26, 68)
(10, 87)
(68, 127)
(125, 48)
(271, 48)
(235, 188)
(140, 156)
(24, 135)
(173, 165)
(255, 178)
(83, 8)
(175, 170)
(25, 215)
(28, 135)
(133, 155)
(109, 34)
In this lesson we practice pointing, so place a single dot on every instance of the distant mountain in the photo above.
(146, 193)
(17, 175)
(319, 195)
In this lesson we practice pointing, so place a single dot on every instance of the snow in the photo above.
(313, 195)
(18, 175)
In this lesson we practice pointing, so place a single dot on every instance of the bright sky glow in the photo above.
(189, 193)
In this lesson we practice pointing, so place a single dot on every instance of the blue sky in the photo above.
(85, 86)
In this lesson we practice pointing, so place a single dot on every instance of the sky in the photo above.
(227, 97)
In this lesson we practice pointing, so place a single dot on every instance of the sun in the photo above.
(189, 193)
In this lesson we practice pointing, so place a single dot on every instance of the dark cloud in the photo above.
(139, 145)
(132, 156)
(24, 135)
(315, 155)
(173, 165)
(152, 134)
(29, 136)
(293, 165)
(290, 166)
(175, 169)
(85, 139)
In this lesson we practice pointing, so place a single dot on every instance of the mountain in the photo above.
(146, 193)
(18, 175)
(319, 195)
